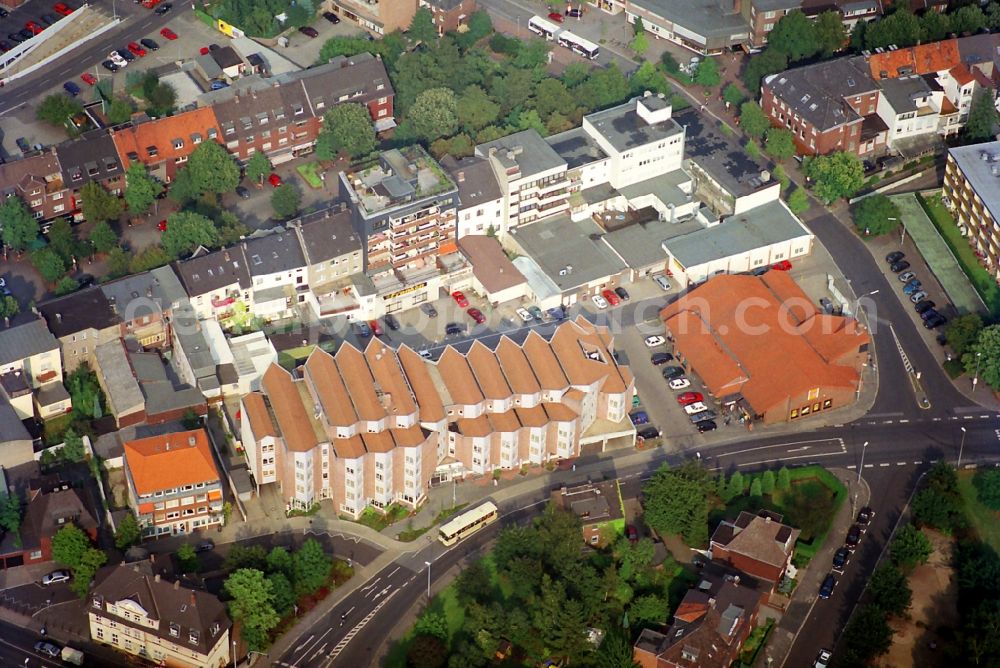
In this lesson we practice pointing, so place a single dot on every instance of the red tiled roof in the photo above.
(961, 74)
(162, 133)
(260, 420)
(921, 59)
(171, 460)
(286, 401)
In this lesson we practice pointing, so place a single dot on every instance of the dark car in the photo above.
(928, 314)
(15, 37)
(26, 34)
(672, 372)
(853, 537)
(702, 416)
(110, 66)
(840, 559)
(331, 17)
(660, 358)
(706, 425)
(149, 44)
(894, 257)
(557, 313)
(164, 8)
(48, 649)
(454, 328)
(897, 267)
(936, 321)
(649, 432)
(639, 417)
(575, 13)
(4, 46)
(206, 545)
(631, 534)
(391, 322)
(309, 31)
(71, 88)
(48, 19)
(536, 313)
(242, 192)
(865, 516)
(924, 306)
(126, 55)
(826, 589)
(86, 280)
(623, 294)
(429, 310)
(362, 329)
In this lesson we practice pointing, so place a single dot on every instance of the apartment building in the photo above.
(332, 252)
(91, 157)
(81, 321)
(279, 274)
(143, 304)
(137, 612)
(38, 181)
(762, 15)
(370, 428)
(480, 200)
(449, 15)
(404, 208)
(379, 17)
(163, 145)
(30, 376)
(972, 192)
(174, 487)
(216, 282)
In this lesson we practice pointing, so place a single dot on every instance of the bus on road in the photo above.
(579, 45)
(468, 522)
(543, 28)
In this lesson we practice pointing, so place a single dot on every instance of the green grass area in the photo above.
(54, 428)
(985, 521)
(445, 603)
(310, 173)
(291, 358)
(954, 368)
(373, 519)
(411, 534)
(981, 280)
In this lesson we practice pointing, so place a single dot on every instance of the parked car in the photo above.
(206, 545)
(826, 589)
(574, 13)
(362, 329)
(701, 416)
(477, 315)
(523, 314)
(48, 19)
(639, 417)
(536, 313)
(654, 341)
(853, 537)
(25, 34)
(88, 78)
(309, 31)
(662, 281)
(686, 398)
(918, 296)
(622, 294)
(218, 85)
(600, 302)
(649, 432)
(656, 359)
(136, 49)
(611, 297)
(902, 265)
(242, 192)
(894, 257)
(840, 559)
(426, 354)
(274, 180)
(166, 33)
(4, 46)
(429, 310)
(929, 313)
(55, 577)
(34, 28)
(935, 321)
(71, 88)
(375, 327)
(62, 8)
(706, 425)
(673, 372)
(557, 313)
(391, 322)
(460, 299)
(823, 659)
(680, 383)
(116, 58)
(924, 306)
(454, 328)
(694, 407)
(906, 276)
(865, 516)
(48, 649)
(163, 9)
(149, 44)
(331, 17)
(126, 55)
(783, 265)
(631, 534)
(912, 287)
(110, 66)
(555, 16)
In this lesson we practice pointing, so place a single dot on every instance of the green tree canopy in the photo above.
(552, 96)
(733, 95)
(934, 26)
(252, 604)
(18, 226)
(213, 169)
(120, 110)
(967, 19)
(767, 482)
(98, 204)
(794, 35)
(476, 110)
(128, 532)
(258, 166)
(140, 188)
(866, 636)
(63, 240)
(836, 175)
(285, 200)
(84, 573)
(889, 590)
(983, 118)
(768, 61)
(901, 28)
(639, 43)
(987, 364)
(231, 229)
(646, 78)
(798, 201)
(49, 264)
(422, 27)
(910, 547)
(779, 143)
(753, 120)
(347, 128)
(161, 99)
(10, 515)
(69, 545)
(58, 108)
(987, 484)
(939, 504)
(830, 33)
(102, 237)
(186, 231)
(66, 285)
(677, 502)
(963, 331)
(311, 567)
(434, 114)
(284, 593)
(9, 307)
(876, 215)
(707, 74)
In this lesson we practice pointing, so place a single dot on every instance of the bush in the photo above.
(987, 484)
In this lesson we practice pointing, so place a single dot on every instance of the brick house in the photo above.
(38, 181)
(379, 17)
(51, 505)
(599, 507)
(759, 545)
(163, 145)
(449, 14)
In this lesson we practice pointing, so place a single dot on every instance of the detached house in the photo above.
(49, 508)
(38, 181)
(163, 145)
(759, 545)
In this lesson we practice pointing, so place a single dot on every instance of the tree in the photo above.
(433, 624)
(784, 479)
(422, 27)
(639, 43)
(286, 200)
(187, 558)
(184, 188)
(876, 215)
(967, 19)
(252, 605)
(677, 502)
(648, 609)
(434, 114)
(58, 108)
(98, 204)
(889, 590)
(347, 128)
(733, 95)
(798, 201)
(768, 61)
(66, 285)
(830, 33)
(120, 110)
(279, 560)
(186, 231)
(161, 99)
(473, 583)
(62, 240)
(646, 77)
(258, 166)
(85, 571)
(118, 262)
(987, 484)
(476, 110)
(231, 229)
(141, 189)
(866, 636)
(69, 545)
(836, 175)
(901, 28)
(49, 264)
(128, 532)
(779, 143)
(551, 97)
(213, 168)
(148, 258)
(939, 503)
(794, 35)
(615, 652)
(767, 482)
(72, 450)
(992, 16)
(246, 556)
(962, 332)
(707, 74)
(983, 357)
(753, 120)
(934, 26)
(19, 227)
(103, 238)
(633, 559)
(736, 486)
(426, 651)
(910, 548)
(983, 118)
(756, 489)
(284, 593)
(10, 515)
(9, 307)
(532, 55)
(311, 567)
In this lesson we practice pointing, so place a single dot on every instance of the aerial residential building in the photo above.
(449, 15)
(598, 506)
(379, 17)
(48, 509)
(81, 321)
(494, 276)
(480, 206)
(403, 207)
(164, 144)
(761, 15)
(38, 181)
(332, 252)
(704, 26)
(16, 444)
(971, 188)
(174, 487)
(759, 545)
(31, 370)
(278, 271)
(91, 157)
(144, 303)
(216, 281)
(373, 427)
(135, 611)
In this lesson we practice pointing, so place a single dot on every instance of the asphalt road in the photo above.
(17, 650)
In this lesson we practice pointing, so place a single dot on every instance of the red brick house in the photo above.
(38, 181)
(52, 504)
(164, 145)
(448, 15)
(759, 545)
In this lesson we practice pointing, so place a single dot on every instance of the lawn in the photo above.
(310, 172)
(985, 521)
(373, 519)
(981, 280)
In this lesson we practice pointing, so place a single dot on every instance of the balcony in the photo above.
(222, 302)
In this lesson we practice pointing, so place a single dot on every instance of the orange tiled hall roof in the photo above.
(170, 460)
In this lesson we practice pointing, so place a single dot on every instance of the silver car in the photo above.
(55, 577)
(918, 296)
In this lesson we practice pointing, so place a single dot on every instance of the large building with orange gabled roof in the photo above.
(375, 427)
(764, 350)
(174, 487)
(163, 145)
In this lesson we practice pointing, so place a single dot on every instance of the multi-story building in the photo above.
(143, 303)
(81, 321)
(972, 192)
(759, 545)
(215, 282)
(332, 252)
(449, 15)
(371, 428)
(278, 271)
(379, 17)
(31, 369)
(761, 15)
(91, 157)
(480, 200)
(163, 145)
(174, 487)
(38, 181)
(704, 26)
(403, 207)
(49, 507)
(135, 611)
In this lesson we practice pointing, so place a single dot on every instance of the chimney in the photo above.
(177, 584)
(191, 440)
(152, 558)
(156, 578)
(737, 6)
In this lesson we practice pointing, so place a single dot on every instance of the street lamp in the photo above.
(864, 446)
(857, 302)
(975, 379)
(428, 564)
(960, 448)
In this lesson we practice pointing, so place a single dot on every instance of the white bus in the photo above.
(543, 28)
(579, 45)
(468, 523)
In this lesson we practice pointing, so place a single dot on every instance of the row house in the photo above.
(278, 270)
(332, 252)
(81, 321)
(174, 487)
(163, 145)
(91, 157)
(971, 187)
(379, 17)
(38, 181)
(480, 200)
(370, 428)
(143, 304)
(217, 283)
(31, 375)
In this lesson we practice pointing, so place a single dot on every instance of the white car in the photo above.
(653, 341)
(117, 59)
(680, 384)
(696, 407)
(600, 302)
(425, 354)
(523, 314)
(823, 660)
(55, 577)
(662, 281)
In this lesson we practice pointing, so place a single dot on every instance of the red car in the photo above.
(33, 27)
(477, 315)
(162, 226)
(555, 16)
(784, 265)
(136, 49)
(274, 180)
(62, 8)
(460, 299)
(88, 78)
(689, 398)
(376, 328)
(612, 298)
(167, 33)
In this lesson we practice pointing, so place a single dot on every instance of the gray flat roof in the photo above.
(525, 150)
(901, 92)
(625, 129)
(576, 147)
(764, 225)
(721, 156)
(666, 188)
(702, 17)
(979, 172)
(124, 393)
(560, 243)
(641, 245)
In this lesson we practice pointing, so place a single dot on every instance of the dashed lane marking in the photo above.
(339, 647)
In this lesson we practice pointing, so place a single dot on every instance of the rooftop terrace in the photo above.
(397, 177)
